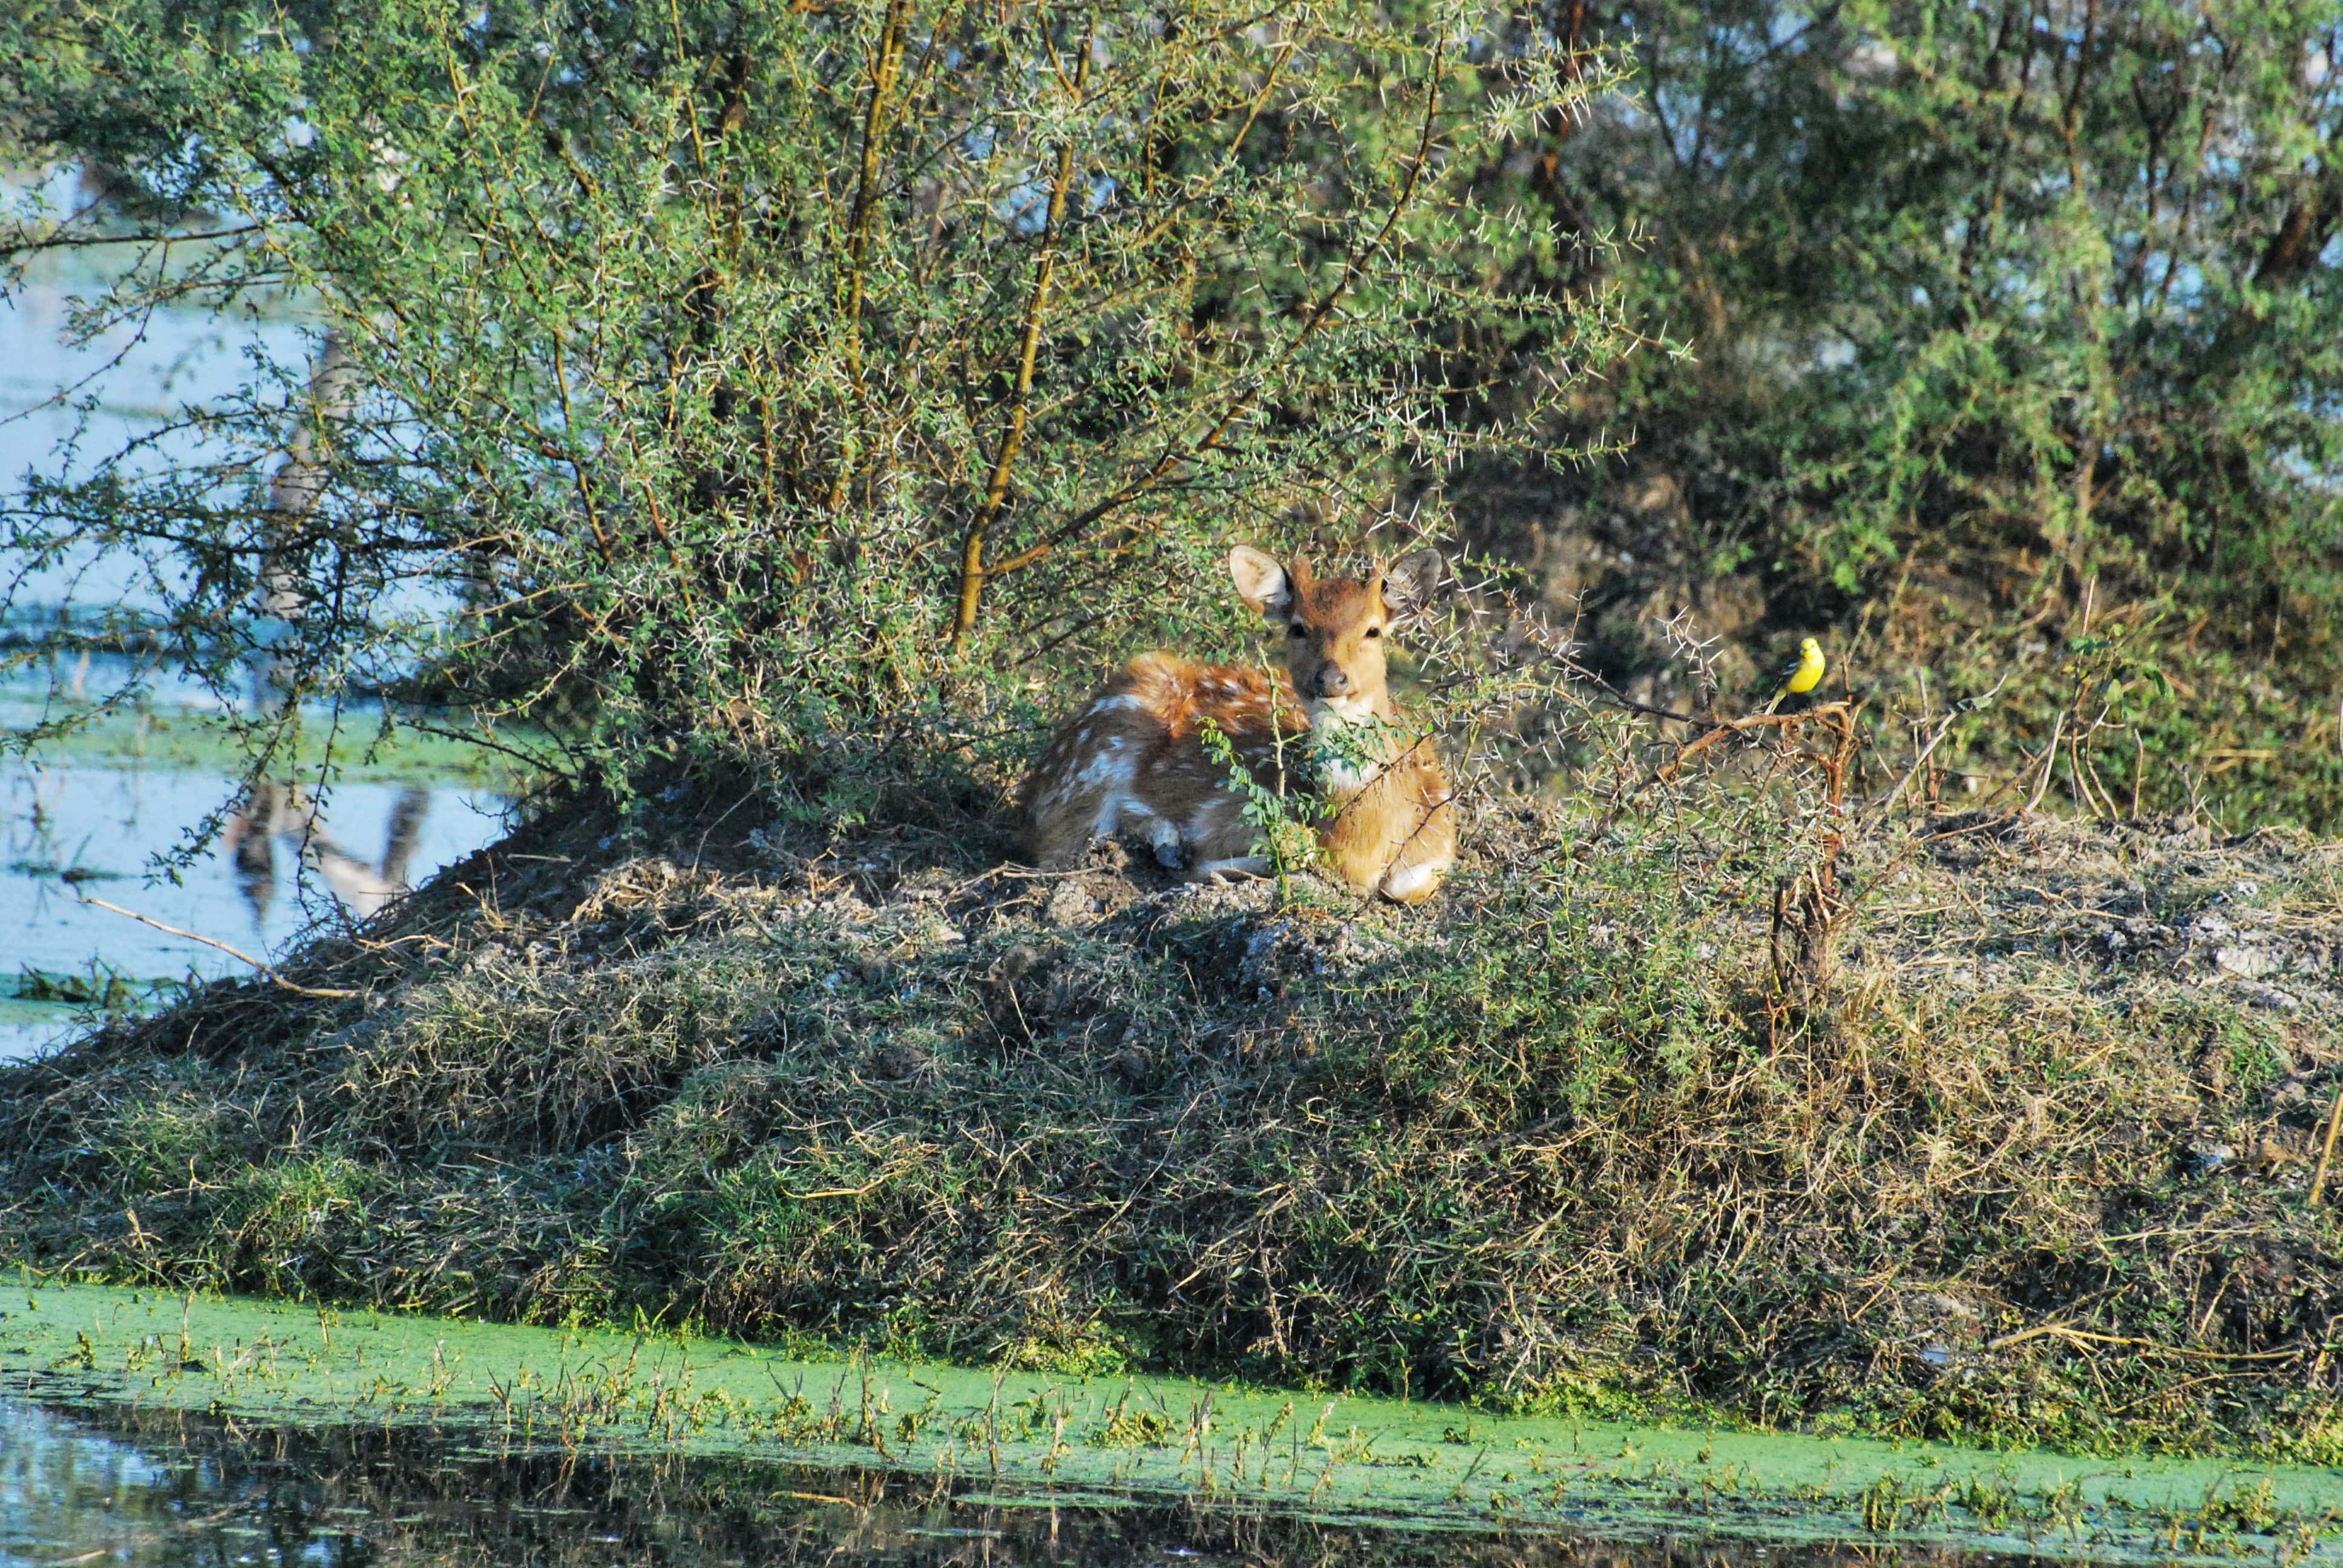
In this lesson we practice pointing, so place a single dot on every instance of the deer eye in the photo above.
(1295, 629)
(1374, 631)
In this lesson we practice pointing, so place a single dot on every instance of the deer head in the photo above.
(1334, 628)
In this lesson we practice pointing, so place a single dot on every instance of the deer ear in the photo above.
(1411, 582)
(1260, 581)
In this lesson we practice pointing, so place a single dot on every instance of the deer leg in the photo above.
(1407, 884)
(1164, 838)
(1424, 858)
(1059, 839)
(1080, 808)
(1235, 868)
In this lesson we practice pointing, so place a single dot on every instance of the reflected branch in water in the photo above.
(300, 481)
(406, 832)
(270, 812)
(249, 842)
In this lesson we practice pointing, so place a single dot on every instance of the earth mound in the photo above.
(2033, 1166)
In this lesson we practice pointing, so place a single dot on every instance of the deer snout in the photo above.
(1329, 680)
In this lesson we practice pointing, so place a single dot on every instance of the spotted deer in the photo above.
(1132, 760)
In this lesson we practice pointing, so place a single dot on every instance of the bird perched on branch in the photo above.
(1802, 676)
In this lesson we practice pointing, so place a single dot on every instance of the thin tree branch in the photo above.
(76, 242)
(267, 971)
(886, 64)
(973, 573)
(1353, 268)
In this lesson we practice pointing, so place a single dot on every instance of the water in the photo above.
(101, 826)
(141, 813)
(141, 375)
(146, 813)
(95, 1485)
(93, 818)
(1134, 1464)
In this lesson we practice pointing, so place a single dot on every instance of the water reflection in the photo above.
(65, 408)
(277, 870)
(70, 1493)
(161, 1488)
(152, 785)
(271, 814)
(90, 815)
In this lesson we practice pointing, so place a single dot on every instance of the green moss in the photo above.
(177, 740)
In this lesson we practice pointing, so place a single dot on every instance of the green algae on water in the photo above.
(176, 739)
(1340, 1459)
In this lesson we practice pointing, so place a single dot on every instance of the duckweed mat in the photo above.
(157, 1488)
(1119, 1441)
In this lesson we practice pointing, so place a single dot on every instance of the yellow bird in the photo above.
(1803, 676)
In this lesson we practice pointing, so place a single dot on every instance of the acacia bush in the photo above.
(695, 349)
(789, 382)
(2012, 320)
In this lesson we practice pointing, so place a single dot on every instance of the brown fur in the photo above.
(1131, 760)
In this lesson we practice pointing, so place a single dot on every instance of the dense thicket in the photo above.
(759, 375)
(2013, 318)
(747, 377)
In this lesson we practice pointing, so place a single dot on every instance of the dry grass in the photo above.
(2032, 1168)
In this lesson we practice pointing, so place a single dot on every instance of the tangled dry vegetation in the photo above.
(2031, 1165)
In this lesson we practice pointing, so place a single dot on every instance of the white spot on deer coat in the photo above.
(1107, 768)
(1343, 777)
(1411, 879)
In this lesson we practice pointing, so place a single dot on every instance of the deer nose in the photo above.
(1332, 680)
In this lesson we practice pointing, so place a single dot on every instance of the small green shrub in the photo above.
(280, 1215)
